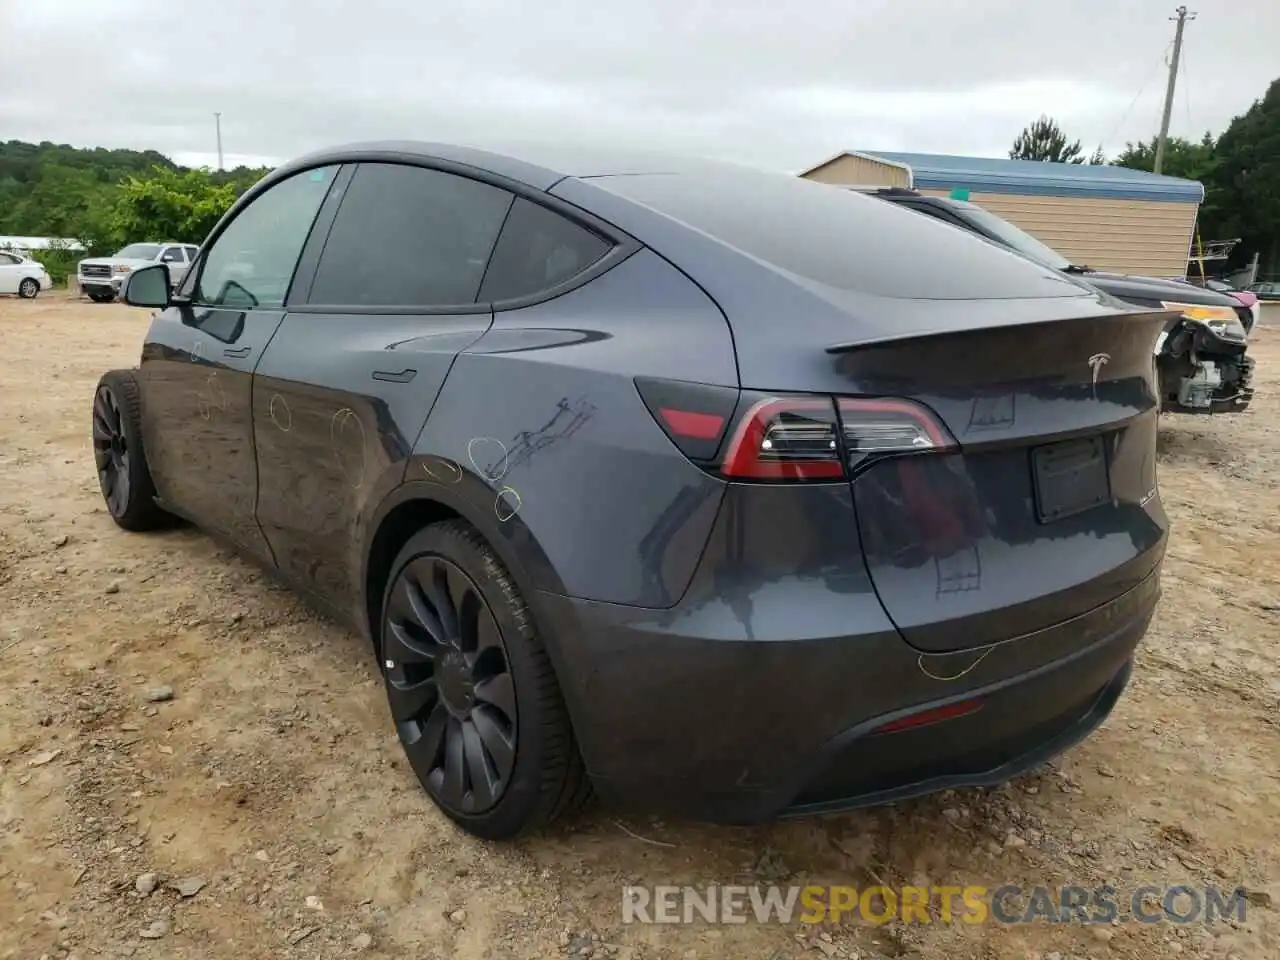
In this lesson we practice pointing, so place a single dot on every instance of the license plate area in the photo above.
(1069, 478)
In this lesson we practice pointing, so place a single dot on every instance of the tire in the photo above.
(28, 289)
(121, 462)
(98, 296)
(460, 705)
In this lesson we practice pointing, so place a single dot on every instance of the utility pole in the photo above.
(1182, 17)
(217, 122)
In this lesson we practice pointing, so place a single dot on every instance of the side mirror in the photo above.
(147, 287)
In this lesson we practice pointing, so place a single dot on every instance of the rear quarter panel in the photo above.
(540, 431)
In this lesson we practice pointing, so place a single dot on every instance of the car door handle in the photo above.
(238, 352)
(404, 376)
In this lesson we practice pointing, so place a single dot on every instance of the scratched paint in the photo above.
(488, 450)
(281, 414)
(347, 440)
(568, 419)
(442, 470)
(212, 397)
(507, 504)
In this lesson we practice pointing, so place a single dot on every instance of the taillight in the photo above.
(875, 427)
(792, 438)
(802, 438)
(694, 415)
(785, 439)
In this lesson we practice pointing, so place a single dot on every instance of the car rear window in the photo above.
(841, 238)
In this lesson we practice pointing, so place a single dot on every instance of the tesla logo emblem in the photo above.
(1096, 363)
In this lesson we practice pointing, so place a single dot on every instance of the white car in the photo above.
(22, 275)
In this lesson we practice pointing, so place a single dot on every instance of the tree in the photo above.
(1043, 140)
(54, 204)
(54, 190)
(1245, 179)
(1182, 157)
(171, 205)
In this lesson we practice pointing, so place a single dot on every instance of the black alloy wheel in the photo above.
(121, 463)
(450, 685)
(111, 451)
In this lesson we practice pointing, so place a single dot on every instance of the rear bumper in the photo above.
(875, 769)
(747, 729)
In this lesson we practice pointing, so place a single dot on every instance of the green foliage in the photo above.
(242, 178)
(1190, 160)
(1246, 179)
(1182, 158)
(105, 199)
(170, 205)
(60, 263)
(1043, 140)
(20, 162)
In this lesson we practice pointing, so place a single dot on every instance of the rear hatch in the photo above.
(1037, 503)
(1011, 484)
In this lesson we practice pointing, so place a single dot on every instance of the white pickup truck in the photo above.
(100, 277)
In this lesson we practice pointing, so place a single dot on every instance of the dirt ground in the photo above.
(272, 781)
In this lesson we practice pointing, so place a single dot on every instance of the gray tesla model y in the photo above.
(719, 492)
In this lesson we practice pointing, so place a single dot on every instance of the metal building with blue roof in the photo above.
(1111, 218)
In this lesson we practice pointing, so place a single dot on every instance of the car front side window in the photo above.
(251, 263)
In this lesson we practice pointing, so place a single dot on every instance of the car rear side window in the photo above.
(251, 263)
(409, 236)
(539, 249)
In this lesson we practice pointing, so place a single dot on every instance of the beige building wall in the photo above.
(1125, 236)
(851, 171)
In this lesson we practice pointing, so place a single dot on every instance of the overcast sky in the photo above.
(774, 84)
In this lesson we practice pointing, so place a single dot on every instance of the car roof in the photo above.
(538, 164)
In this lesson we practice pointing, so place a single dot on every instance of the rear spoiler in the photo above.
(849, 346)
(877, 188)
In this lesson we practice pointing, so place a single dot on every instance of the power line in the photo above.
(1132, 103)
